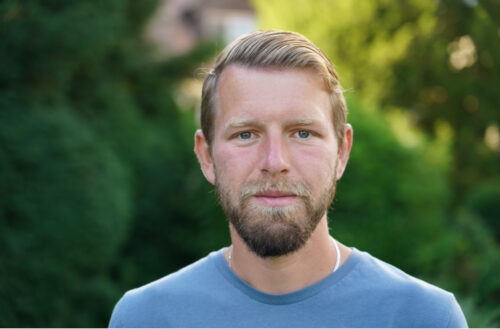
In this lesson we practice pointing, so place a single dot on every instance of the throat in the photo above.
(316, 260)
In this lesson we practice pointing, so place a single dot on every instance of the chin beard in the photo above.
(275, 231)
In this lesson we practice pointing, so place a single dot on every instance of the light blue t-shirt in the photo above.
(363, 292)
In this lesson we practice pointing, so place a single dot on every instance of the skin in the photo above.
(276, 124)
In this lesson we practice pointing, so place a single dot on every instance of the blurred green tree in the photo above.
(482, 200)
(97, 172)
(64, 212)
(392, 197)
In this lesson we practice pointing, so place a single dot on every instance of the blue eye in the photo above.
(303, 134)
(245, 135)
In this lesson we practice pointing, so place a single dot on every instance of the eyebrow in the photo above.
(254, 123)
(242, 123)
(300, 122)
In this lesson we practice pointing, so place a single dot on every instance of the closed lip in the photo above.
(274, 194)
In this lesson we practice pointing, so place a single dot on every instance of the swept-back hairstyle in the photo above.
(276, 50)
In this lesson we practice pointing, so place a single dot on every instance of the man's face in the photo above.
(274, 158)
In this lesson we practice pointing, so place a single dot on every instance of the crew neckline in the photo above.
(291, 297)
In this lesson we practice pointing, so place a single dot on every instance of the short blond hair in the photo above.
(279, 50)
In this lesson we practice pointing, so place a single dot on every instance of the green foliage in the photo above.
(464, 260)
(64, 211)
(390, 192)
(483, 201)
(96, 167)
(399, 215)
(480, 317)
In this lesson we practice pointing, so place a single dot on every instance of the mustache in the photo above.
(285, 186)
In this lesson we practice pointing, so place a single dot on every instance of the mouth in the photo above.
(274, 198)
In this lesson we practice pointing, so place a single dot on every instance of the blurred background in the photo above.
(100, 191)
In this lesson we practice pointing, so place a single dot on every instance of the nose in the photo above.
(275, 157)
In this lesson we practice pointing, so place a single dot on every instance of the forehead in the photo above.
(263, 93)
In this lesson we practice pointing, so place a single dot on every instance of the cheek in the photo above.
(315, 156)
(234, 165)
(315, 164)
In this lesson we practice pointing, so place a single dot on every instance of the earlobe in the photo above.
(345, 150)
(202, 150)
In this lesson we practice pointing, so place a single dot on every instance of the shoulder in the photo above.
(414, 301)
(141, 306)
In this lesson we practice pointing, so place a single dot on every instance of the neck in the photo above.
(284, 274)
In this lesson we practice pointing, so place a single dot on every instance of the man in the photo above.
(274, 142)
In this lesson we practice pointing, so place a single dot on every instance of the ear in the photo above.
(344, 150)
(202, 150)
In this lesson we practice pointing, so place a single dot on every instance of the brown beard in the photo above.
(275, 231)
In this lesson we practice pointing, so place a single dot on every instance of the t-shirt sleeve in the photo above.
(456, 318)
